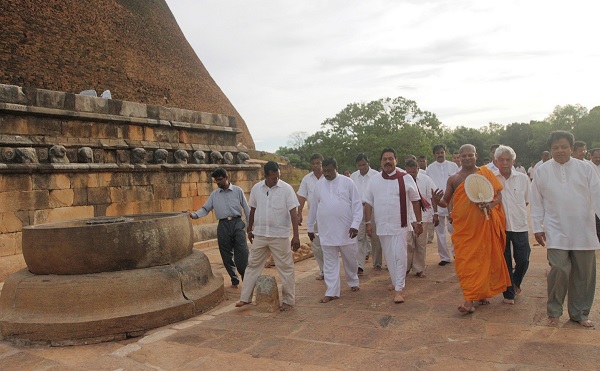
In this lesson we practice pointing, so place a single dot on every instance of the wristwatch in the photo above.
(420, 223)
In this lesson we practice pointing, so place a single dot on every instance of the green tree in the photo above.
(566, 117)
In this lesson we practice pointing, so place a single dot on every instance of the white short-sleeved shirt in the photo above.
(515, 197)
(362, 181)
(273, 205)
(307, 185)
(426, 187)
(439, 172)
(384, 196)
(564, 199)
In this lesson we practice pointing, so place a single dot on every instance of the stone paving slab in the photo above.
(361, 330)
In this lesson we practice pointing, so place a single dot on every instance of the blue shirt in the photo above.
(225, 202)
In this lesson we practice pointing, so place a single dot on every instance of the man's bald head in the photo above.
(467, 148)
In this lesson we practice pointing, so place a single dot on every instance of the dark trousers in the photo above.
(598, 227)
(521, 251)
(233, 247)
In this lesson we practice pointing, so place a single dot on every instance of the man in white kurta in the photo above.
(384, 195)
(417, 245)
(439, 171)
(565, 194)
(337, 209)
(515, 197)
(365, 243)
(307, 185)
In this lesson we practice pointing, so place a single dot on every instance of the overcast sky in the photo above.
(288, 65)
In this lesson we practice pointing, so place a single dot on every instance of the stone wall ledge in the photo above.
(79, 168)
(14, 108)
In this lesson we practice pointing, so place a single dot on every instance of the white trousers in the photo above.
(281, 251)
(394, 252)
(445, 248)
(331, 267)
(315, 246)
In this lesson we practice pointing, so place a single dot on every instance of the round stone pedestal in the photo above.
(105, 279)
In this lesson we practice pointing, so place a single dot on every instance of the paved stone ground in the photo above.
(361, 330)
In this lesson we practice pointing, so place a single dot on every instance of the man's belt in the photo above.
(229, 218)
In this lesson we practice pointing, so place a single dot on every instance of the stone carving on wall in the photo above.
(242, 157)
(42, 154)
(85, 155)
(7, 154)
(216, 157)
(181, 156)
(160, 156)
(228, 158)
(27, 155)
(199, 157)
(138, 156)
(58, 154)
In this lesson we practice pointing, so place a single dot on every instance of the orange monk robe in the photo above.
(479, 244)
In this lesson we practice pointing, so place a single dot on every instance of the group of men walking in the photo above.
(389, 213)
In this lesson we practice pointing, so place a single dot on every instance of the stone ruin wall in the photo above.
(46, 177)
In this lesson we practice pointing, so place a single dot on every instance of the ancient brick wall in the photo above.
(132, 47)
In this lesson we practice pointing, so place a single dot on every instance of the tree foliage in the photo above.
(399, 123)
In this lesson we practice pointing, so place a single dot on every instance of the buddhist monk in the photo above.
(478, 242)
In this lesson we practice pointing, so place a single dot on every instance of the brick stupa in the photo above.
(134, 48)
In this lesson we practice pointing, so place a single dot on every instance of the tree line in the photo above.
(399, 123)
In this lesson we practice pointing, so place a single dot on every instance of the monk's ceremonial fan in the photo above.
(479, 189)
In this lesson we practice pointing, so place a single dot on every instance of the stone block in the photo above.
(15, 201)
(9, 222)
(181, 204)
(100, 195)
(8, 244)
(86, 103)
(62, 214)
(122, 209)
(149, 134)
(50, 99)
(133, 109)
(166, 206)
(104, 130)
(134, 132)
(15, 182)
(267, 294)
(12, 94)
(61, 198)
(80, 196)
(166, 135)
(51, 181)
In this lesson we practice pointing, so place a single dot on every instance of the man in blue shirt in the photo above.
(228, 201)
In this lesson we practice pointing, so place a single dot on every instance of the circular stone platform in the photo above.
(107, 244)
(90, 308)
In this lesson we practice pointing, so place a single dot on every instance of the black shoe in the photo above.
(360, 271)
(443, 262)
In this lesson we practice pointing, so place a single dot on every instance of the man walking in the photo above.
(228, 201)
(366, 244)
(417, 245)
(390, 194)
(272, 210)
(515, 198)
(565, 193)
(304, 194)
(439, 171)
(337, 207)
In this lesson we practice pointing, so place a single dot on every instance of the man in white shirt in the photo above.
(337, 207)
(520, 168)
(365, 243)
(439, 171)
(515, 198)
(565, 193)
(595, 161)
(422, 161)
(304, 194)
(417, 245)
(272, 209)
(390, 194)
(492, 165)
(545, 157)
(579, 150)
